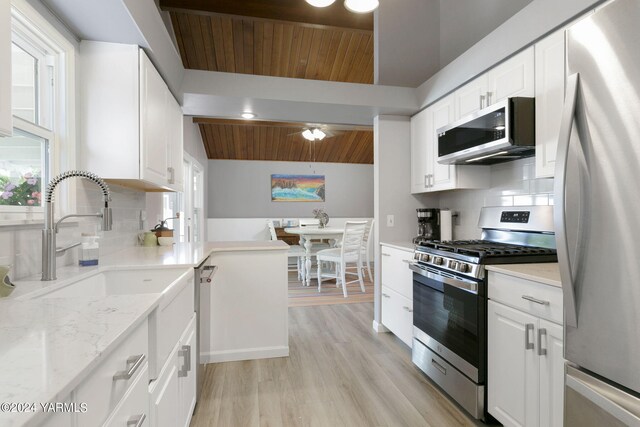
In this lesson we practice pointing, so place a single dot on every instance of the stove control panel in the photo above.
(520, 217)
(449, 264)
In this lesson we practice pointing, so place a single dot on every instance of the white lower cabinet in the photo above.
(525, 364)
(172, 395)
(397, 291)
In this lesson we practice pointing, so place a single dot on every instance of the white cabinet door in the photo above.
(551, 374)
(443, 176)
(6, 127)
(187, 373)
(153, 124)
(514, 77)
(397, 314)
(471, 97)
(395, 272)
(550, 69)
(512, 375)
(165, 395)
(419, 136)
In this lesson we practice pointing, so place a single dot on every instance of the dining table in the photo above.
(309, 233)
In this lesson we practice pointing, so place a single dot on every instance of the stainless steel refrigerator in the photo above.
(597, 217)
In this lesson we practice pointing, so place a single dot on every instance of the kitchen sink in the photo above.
(166, 323)
(121, 282)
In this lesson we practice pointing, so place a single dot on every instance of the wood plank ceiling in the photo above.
(250, 140)
(281, 38)
(269, 37)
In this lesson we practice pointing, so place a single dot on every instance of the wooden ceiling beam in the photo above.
(266, 123)
(300, 11)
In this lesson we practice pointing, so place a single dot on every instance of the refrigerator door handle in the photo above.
(560, 214)
(615, 402)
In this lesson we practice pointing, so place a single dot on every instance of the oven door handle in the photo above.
(459, 283)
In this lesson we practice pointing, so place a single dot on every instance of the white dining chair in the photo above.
(350, 252)
(367, 242)
(295, 251)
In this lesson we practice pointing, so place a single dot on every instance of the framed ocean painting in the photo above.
(297, 188)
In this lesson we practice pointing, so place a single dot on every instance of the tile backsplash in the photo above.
(512, 184)
(20, 246)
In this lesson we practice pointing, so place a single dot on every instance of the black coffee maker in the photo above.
(428, 225)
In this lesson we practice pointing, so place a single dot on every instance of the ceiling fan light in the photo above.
(320, 3)
(308, 135)
(318, 134)
(361, 6)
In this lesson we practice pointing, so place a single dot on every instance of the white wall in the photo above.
(407, 42)
(242, 189)
(512, 184)
(465, 22)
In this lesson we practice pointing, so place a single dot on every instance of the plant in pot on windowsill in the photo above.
(25, 192)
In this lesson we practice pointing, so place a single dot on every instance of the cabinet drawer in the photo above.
(395, 271)
(100, 391)
(397, 314)
(514, 291)
(134, 408)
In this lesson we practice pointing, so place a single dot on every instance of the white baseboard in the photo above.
(244, 354)
(379, 327)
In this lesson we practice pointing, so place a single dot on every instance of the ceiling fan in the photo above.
(355, 6)
(317, 132)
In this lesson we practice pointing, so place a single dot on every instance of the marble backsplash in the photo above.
(20, 246)
(512, 184)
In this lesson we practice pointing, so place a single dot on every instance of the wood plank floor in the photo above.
(339, 373)
(304, 296)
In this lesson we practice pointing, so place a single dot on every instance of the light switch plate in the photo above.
(391, 220)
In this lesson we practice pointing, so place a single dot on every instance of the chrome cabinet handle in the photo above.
(528, 345)
(383, 254)
(439, 367)
(489, 98)
(408, 261)
(136, 420)
(186, 353)
(385, 295)
(405, 308)
(541, 351)
(133, 363)
(536, 300)
(426, 181)
(430, 180)
(482, 101)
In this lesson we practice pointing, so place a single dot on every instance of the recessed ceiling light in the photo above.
(318, 134)
(308, 135)
(320, 3)
(248, 115)
(361, 6)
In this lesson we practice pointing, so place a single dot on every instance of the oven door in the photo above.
(449, 318)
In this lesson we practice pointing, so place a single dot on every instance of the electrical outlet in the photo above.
(391, 220)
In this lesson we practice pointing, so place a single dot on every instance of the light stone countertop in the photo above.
(547, 273)
(402, 245)
(48, 345)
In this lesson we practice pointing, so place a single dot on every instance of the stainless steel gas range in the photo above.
(450, 296)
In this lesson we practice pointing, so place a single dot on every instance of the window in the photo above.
(43, 142)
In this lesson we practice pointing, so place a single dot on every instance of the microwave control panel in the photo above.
(521, 217)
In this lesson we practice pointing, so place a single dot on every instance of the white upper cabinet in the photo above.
(513, 77)
(419, 132)
(550, 72)
(6, 127)
(427, 174)
(471, 97)
(131, 126)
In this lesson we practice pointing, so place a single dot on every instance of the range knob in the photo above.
(453, 265)
(426, 258)
(463, 268)
(438, 260)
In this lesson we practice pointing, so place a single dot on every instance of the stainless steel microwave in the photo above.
(501, 132)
